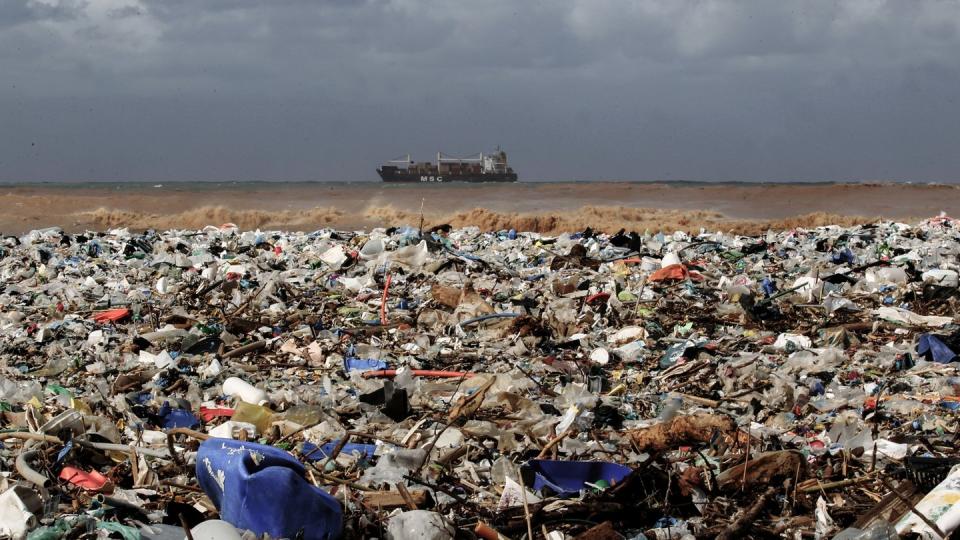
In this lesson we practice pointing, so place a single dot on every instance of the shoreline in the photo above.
(540, 207)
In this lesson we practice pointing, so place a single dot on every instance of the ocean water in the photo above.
(547, 207)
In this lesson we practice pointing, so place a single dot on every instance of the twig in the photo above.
(554, 442)
(250, 298)
(180, 486)
(336, 450)
(429, 447)
(526, 508)
(188, 432)
(422, 201)
(746, 462)
(250, 347)
(840, 483)
(913, 508)
(336, 480)
(423, 482)
(173, 451)
(402, 489)
(186, 527)
(747, 517)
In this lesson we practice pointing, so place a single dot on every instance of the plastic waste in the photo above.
(943, 278)
(259, 417)
(18, 506)
(880, 530)
(941, 505)
(420, 525)
(313, 452)
(666, 351)
(215, 529)
(241, 389)
(569, 478)
(933, 349)
(263, 489)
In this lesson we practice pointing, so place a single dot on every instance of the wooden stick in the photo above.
(746, 462)
(250, 347)
(29, 436)
(840, 483)
(188, 432)
(406, 496)
(747, 517)
(554, 442)
(700, 400)
(336, 450)
(526, 508)
(913, 508)
(134, 466)
(180, 486)
(186, 527)
(173, 451)
(422, 201)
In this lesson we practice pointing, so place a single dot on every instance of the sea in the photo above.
(545, 207)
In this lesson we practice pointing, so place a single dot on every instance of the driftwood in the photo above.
(682, 430)
(735, 529)
(764, 469)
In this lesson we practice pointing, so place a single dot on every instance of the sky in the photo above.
(300, 90)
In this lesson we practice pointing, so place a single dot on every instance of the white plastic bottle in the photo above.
(239, 388)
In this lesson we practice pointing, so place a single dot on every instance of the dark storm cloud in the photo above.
(638, 89)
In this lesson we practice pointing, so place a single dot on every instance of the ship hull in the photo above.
(404, 177)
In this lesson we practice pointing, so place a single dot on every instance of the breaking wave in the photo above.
(212, 215)
(601, 218)
(613, 218)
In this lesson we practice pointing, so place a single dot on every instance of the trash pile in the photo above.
(456, 383)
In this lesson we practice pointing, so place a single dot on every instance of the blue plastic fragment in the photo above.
(769, 287)
(62, 454)
(845, 256)
(312, 452)
(931, 348)
(177, 418)
(363, 364)
(263, 489)
(568, 478)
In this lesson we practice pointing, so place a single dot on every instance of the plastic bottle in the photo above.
(215, 529)
(261, 417)
(305, 415)
(671, 406)
(880, 530)
(241, 389)
(420, 525)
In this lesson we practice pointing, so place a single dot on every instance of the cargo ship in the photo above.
(476, 168)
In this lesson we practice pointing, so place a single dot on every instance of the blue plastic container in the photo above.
(262, 489)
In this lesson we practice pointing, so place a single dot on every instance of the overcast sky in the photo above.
(162, 90)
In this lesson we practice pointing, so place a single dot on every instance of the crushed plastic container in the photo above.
(263, 489)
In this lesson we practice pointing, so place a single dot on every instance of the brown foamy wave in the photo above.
(211, 215)
(611, 219)
(601, 218)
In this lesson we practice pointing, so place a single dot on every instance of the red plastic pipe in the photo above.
(383, 301)
(381, 373)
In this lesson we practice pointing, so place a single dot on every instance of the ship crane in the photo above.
(473, 158)
(401, 159)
